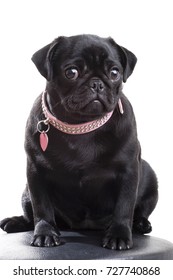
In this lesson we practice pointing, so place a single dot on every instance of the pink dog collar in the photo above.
(69, 128)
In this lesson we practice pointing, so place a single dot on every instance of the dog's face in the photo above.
(86, 72)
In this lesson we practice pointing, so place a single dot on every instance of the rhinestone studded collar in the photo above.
(74, 128)
(65, 127)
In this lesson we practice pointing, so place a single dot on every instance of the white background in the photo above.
(144, 27)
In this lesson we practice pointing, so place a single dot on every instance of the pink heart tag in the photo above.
(44, 141)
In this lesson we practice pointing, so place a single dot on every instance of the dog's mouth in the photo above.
(89, 106)
(95, 106)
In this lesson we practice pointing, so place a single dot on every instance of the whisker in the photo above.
(56, 104)
(60, 102)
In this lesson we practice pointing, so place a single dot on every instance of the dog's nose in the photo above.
(96, 85)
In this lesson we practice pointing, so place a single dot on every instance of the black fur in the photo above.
(95, 180)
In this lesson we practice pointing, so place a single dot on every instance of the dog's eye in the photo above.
(114, 74)
(71, 73)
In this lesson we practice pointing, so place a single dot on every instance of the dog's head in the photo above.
(86, 72)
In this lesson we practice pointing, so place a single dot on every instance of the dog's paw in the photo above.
(15, 224)
(46, 241)
(142, 225)
(118, 237)
(114, 243)
(45, 235)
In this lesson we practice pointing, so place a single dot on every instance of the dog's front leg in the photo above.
(119, 233)
(46, 233)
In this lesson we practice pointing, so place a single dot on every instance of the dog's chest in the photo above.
(77, 151)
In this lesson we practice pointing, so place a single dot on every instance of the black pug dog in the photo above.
(84, 166)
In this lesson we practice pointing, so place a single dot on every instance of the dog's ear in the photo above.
(43, 59)
(128, 59)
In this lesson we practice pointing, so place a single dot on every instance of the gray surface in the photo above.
(84, 246)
